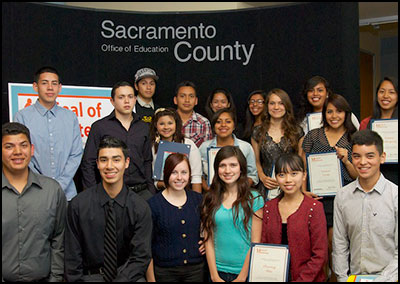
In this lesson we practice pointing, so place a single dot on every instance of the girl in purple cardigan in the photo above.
(298, 221)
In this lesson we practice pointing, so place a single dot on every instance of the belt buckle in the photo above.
(101, 271)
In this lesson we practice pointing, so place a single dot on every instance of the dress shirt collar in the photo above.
(144, 104)
(43, 111)
(120, 199)
(32, 179)
(378, 187)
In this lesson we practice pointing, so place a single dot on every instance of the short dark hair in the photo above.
(15, 128)
(113, 142)
(45, 69)
(185, 84)
(171, 162)
(368, 137)
(121, 84)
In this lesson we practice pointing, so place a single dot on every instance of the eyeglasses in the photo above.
(258, 102)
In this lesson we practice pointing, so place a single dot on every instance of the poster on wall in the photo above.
(240, 50)
(88, 103)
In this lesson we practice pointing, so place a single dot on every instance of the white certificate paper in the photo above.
(388, 130)
(272, 193)
(269, 263)
(314, 120)
(211, 153)
(324, 172)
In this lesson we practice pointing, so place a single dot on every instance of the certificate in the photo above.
(211, 153)
(361, 278)
(325, 173)
(166, 148)
(314, 120)
(269, 263)
(272, 193)
(387, 129)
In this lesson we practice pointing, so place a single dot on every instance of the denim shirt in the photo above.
(246, 149)
(56, 136)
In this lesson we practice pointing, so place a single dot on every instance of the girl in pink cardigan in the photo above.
(297, 221)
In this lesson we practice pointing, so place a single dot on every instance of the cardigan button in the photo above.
(311, 209)
(183, 222)
(183, 235)
(185, 261)
(184, 250)
(310, 216)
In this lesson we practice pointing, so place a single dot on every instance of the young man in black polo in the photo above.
(108, 235)
(124, 124)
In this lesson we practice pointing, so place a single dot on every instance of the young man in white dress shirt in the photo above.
(365, 224)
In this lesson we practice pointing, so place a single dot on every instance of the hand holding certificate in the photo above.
(325, 174)
(269, 263)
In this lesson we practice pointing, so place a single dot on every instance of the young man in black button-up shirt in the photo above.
(86, 222)
(124, 124)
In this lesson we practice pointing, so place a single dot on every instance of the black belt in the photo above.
(93, 271)
(138, 187)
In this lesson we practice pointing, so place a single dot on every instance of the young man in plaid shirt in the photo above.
(194, 126)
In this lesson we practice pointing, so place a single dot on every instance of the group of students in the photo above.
(163, 234)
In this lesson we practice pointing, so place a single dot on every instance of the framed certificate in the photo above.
(314, 120)
(269, 263)
(211, 153)
(165, 149)
(272, 193)
(324, 173)
(387, 129)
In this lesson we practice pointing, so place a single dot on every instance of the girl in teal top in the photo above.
(231, 217)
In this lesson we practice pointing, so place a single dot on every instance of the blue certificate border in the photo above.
(252, 245)
(374, 120)
(166, 146)
(308, 172)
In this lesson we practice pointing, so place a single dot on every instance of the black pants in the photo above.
(184, 273)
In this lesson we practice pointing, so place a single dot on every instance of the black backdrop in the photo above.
(291, 44)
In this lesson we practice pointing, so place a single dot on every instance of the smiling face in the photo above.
(335, 117)
(179, 177)
(276, 107)
(166, 127)
(219, 101)
(317, 96)
(229, 170)
(290, 182)
(256, 104)
(112, 163)
(16, 153)
(224, 125)
(387, 96)
(367, 160)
